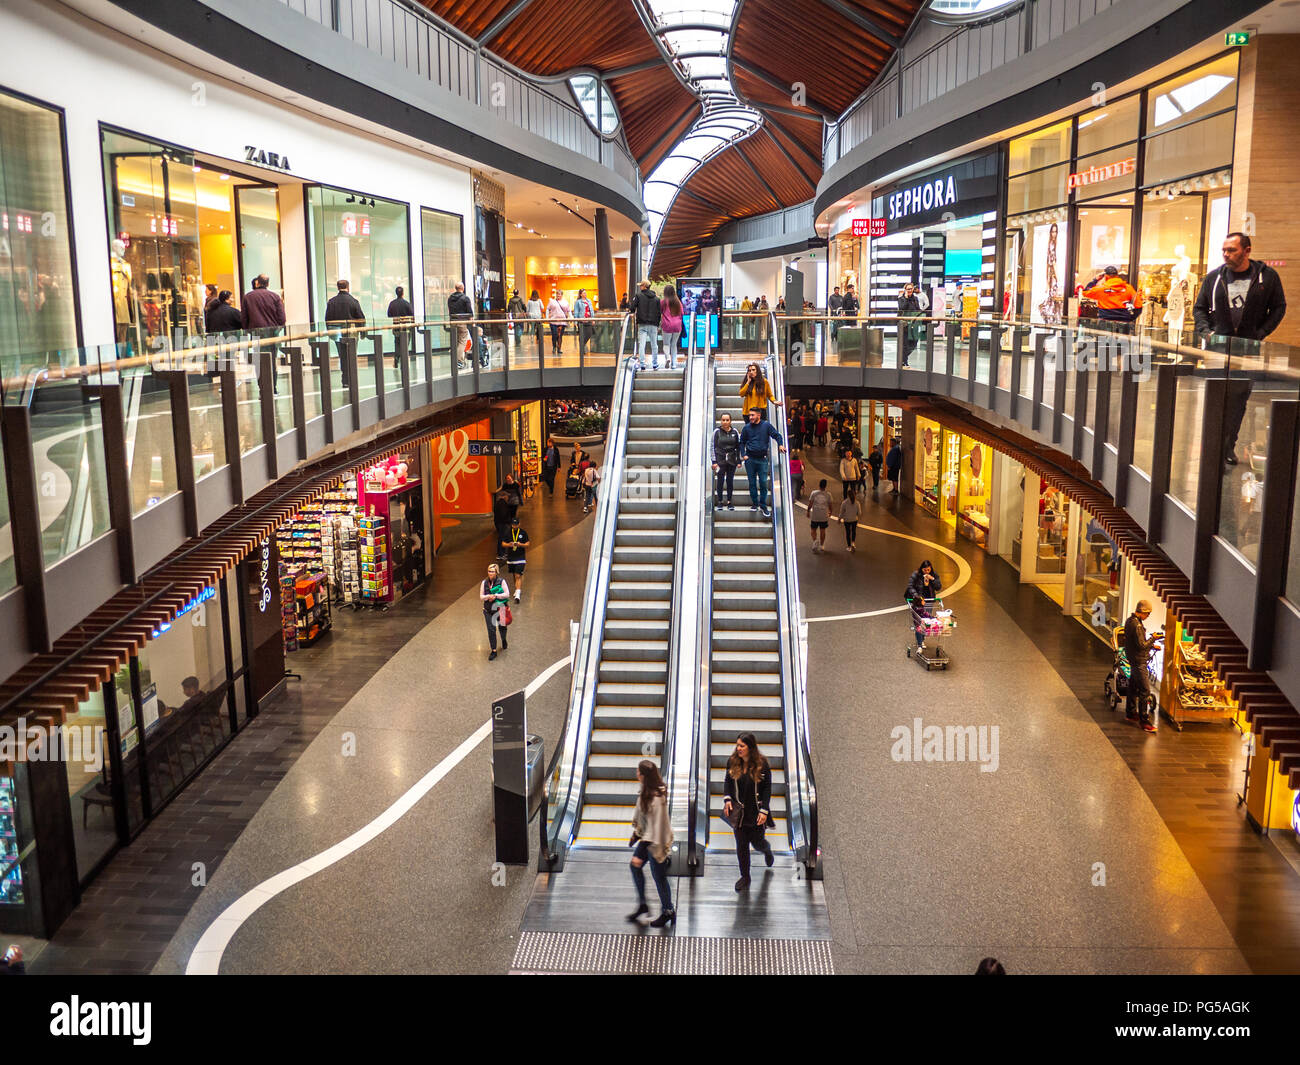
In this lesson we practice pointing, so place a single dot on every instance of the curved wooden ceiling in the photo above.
(834, 48)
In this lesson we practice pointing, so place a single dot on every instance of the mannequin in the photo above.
(1181, 284)
(123, 302)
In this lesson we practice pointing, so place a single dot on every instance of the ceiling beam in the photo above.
(672, 129)
(707, 203)
(634, 68)
(503, 20)
(771, 191)
(803, 149)
(791, 160)
(776, 83)
(863, 22)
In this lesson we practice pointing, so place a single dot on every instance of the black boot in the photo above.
(665, 918)
(635, 917)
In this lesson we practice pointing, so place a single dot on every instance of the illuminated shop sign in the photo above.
(1295, 814)
(262, 157)
(202, 597)
(925, 196)
(1095, 174)
(356, 226)
(870, 227)
(167, 226)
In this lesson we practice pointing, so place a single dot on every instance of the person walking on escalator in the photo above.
(755, 443)
(747, 803)
(652, 840)
(726, 457)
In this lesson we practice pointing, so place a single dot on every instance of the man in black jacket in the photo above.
(400, 307)
(649, 312)
(1139, 708)
(835, 305)
(460, 309)
(344, 309)
(1242, 298)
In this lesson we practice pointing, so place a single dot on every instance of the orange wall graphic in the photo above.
(460, 481)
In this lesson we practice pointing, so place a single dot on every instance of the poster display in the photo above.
(927, 466)
(701, 296)
(1045, 305)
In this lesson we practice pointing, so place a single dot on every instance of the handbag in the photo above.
(504, 617)
(737, 815)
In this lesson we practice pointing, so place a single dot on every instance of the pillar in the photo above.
(606, 297)
(634, 264)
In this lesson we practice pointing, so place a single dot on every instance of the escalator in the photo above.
(756, 676)
(745, 656)
(632, 685)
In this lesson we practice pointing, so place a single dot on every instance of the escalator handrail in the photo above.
(685, 576)
(565, 789)
(800, 787)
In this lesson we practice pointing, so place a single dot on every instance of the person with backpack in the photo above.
(515, 549)
(726, 457)
(649, 313)
(670, 324)
(652, 838)
(819, 516)
(495, 593)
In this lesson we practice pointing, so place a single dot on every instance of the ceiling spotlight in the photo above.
(350, 199)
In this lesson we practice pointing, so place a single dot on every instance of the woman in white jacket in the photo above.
(652, 836)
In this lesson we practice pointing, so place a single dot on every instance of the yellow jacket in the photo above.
(750, 401)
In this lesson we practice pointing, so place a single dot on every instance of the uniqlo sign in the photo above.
(868, 227)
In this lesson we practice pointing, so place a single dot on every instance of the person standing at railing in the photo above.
(849, 308)
(584, 312)
(1242, 298)
(536, 310)
(262, 309)
(460, 309)
(909, 306)
(755, 442)
(649, 313)
(223, 318)
(399, 310)
(835, 307)
(670, 324)
(344, 310)
(556, 312)
(517, 311)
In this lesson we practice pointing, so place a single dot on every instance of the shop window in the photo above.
(1043, 148)
(1116, 123)
(928, 444)
(362, 240)
(1104, 235)
(1105, 174)
(258, 215)
(183, 695)
(1037, 251)
(1042, 188)
(442, 250)
(37, 294)
(1193, 95)
(974, 492)
(1191, 149)
(8, 575)
(1096, 599)
(1172, 257)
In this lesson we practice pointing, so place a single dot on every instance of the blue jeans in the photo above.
(648, 335)
(659, 870)
(759, 472)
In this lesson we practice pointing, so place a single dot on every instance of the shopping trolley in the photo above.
(934, 624)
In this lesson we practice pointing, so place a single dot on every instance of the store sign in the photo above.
(356, 225)
(265, 598)
(490, 448)
(869, 227)
(262, 157)
(1295, 814)
(1095, 174)
(1237, 40)
(925, 196)
(169, 227)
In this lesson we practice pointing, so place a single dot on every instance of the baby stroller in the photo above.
(1117, 680)
(572, 482)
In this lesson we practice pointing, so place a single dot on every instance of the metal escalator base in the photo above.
(671, 955)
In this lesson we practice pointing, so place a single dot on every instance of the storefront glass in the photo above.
(84, 739)
(949, 473)
(1179, 234)
(1104, 235)
(974, 490)
(1037, 251)
(1009, 508)
(444, 259)
(258, 213)
(928, 444)
(37, 293)
(365, 241)
(1109, 125)
(1096, 598)
(1039, 149)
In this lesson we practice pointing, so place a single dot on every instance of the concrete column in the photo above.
(1263, 175)
(634, 264)
(606, 297)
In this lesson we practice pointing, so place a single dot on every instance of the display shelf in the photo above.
(1194, 691)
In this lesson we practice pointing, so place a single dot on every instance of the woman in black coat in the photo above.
(924, 583)
(747, 787)
(223, 318)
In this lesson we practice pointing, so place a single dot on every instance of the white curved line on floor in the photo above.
(206, 958)
(963, 572)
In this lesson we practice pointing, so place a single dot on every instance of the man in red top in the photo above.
(1116, 299)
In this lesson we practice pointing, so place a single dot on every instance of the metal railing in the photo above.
(800, 785)
(940, 58)
(420, 43)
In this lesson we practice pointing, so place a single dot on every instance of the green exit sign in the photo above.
(1236, 40)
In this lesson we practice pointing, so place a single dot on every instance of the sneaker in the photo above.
(753, 507)
(518, 593)
(1148, 727)
(492, 657)
(765, 512)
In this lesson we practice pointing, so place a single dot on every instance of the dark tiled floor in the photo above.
(1192, 777)
(130, 912)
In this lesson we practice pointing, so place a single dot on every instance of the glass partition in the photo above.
(37, 294)
(207, 429)
(150, 443)
(443, 254)
(362, 240)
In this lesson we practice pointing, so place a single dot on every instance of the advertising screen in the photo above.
(701, 296)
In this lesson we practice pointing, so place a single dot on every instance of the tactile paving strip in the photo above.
(573, 952)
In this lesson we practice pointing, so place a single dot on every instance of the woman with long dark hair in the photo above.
(756, 392)
(746, 803)
(652, 836)
(670, 324)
